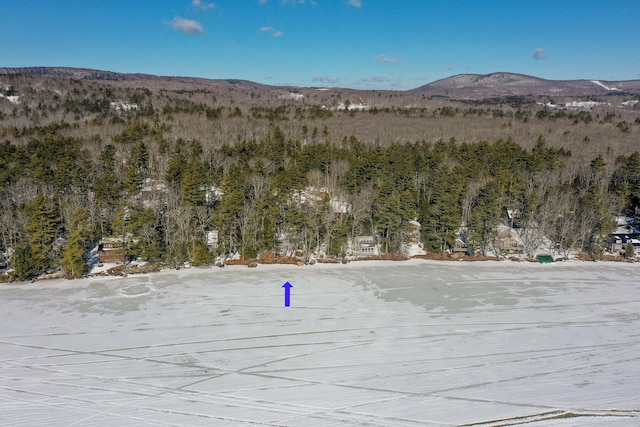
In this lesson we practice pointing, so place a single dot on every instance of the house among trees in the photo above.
(366, 246)
(110, 250)
(507, 241)
(414, 231)
(459, 247)
(211, 238)
(617, 243)
(626, 233)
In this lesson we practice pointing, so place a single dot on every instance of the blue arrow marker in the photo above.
(287, 293)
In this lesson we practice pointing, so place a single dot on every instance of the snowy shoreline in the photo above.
(185, 272)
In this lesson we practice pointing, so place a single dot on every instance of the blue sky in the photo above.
(368, 44)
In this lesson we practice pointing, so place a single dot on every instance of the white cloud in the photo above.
(186, 26)
(380, 82)
(539, 53)
(270, 30)
(374, 79)
(385, 58)
(199, 4)
(355, 3)
(326, 79)
(284, 2)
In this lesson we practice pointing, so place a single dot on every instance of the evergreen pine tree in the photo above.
(22, 262)
(107, 187)
(74, 262)
(136, 170)
(194, 184)
(629, 251)
(42, 229)
(485, 216)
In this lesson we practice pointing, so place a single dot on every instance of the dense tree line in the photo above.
(277, 194)
(81, 161)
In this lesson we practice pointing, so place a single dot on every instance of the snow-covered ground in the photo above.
(415, 343)
(613, 89)
(14, 99)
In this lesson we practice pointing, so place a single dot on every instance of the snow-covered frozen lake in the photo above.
(416, 343)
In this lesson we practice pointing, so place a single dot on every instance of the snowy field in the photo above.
(417, 343)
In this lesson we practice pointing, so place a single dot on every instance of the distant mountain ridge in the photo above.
(91, 74)
(461, 86)
(511, 84)
(75, 73)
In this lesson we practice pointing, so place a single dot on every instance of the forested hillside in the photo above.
(165, 165)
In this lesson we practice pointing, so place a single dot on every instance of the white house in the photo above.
(365, 246)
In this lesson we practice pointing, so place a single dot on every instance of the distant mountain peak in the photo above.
(479, 86)
(483, 80)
